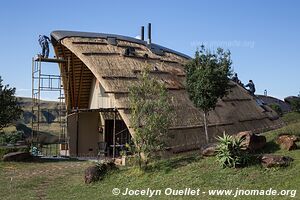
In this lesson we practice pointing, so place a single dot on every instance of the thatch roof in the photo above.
(101, 56)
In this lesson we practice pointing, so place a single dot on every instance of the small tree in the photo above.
(150, 116)
(10, 110)
(207, 80)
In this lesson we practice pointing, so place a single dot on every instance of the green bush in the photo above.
(10, 138)
(277, 109)
(230, 153)
(295, 105)
(6, 150)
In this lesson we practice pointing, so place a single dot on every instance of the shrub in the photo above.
(230, 153)
(295, 105)
(6, 150)
(277, 109)
(11, 138)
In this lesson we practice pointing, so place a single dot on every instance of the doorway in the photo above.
(123, 136)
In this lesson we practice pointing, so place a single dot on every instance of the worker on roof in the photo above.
(235, 78)
(251, 87)
(44, 43)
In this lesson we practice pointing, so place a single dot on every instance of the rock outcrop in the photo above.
(17, 156)
(287, 142)
(269, 160)
(252, 142)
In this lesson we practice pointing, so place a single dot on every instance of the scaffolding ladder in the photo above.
(42, 82)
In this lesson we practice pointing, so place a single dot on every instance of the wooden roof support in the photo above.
(201, 126)
(229, 100)
(73, 79)
(253, 119)
(116, 92)
(80, 83)
(69, 85)
(100, 53)
(90, 43)
(119, 77)
(151, 72)
(128, 46)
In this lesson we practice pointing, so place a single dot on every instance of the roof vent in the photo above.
(156, 50)
(112, 41)
(129, 51)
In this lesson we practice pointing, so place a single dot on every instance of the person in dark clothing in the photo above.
(44, 43)
(251, 87)
(235, 78)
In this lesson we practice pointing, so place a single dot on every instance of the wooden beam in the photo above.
(90, 43)
(80, 83)
(151, 72)
(200, 126)
(235, 99)
(116, 92)
(100, 53)
(253, 119)
(127, 46)
(119, 77)
(69, 90)
(73, 79)
(169, 61)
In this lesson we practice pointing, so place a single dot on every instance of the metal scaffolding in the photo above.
(47, 83)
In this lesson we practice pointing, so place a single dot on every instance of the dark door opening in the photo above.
(123, 136)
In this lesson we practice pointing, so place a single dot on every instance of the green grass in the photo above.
(64, 180)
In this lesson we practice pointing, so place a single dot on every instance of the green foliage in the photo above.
(230, 153)
(291, 117)
(295, 105)
(10, 110)
(10, 138)
(6, 150)
(150, 116)
(207, 79)
(277, 109)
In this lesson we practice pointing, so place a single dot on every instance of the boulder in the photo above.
(252, 142)
(287, 142)
(269, 160)
(96, 172)
(91, 174)
(209, 149)
(17, 156)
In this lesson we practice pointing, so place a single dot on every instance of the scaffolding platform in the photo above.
(39, 58)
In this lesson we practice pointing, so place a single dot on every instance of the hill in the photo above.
(49, 115)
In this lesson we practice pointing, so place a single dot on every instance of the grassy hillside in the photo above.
(49, 115)
(64, 180)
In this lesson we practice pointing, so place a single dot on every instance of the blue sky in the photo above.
(263, 36)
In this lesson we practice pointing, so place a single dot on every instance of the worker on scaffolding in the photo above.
(251, 87)
(44, 42)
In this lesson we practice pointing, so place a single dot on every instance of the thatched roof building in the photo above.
(101, 67)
